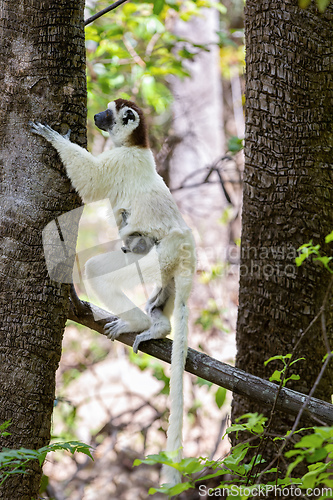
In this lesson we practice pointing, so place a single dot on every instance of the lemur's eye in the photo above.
(128, 116)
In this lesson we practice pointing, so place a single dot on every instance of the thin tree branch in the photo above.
(104, 11)
(203, 366)
(132, 52)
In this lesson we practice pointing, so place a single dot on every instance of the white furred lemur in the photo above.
(147, 218)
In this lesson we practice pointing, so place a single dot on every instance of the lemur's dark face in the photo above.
(104, 120)
(125, 123)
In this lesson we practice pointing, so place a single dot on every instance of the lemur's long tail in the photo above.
(178, 358)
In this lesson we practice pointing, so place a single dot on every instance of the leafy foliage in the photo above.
(3, 427)
(242, 479)
(135, 54)
(279, 375)
(17, 461)
(321, 4)
(315, 448)
(309, 249)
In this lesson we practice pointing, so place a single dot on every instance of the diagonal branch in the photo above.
(202, 365)
(104, 11)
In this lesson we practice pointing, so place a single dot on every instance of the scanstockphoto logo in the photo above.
(265, 491)
(68, 256)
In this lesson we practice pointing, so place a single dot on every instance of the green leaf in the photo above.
(296, 361)
(171, 491)
(322, 4)
(158, 7)
(304, 3)
(3, 428)
(317, 456)
(191, 465)
(293, 464)
(201, 382)
(326, 356)
(309, 479)
(237, 455)
(165, 457)
(293, 377)
(305, 245)
(179, 488)
(220, 396)
(310, 441)
(300, 259)
(220, 472)
(71, 446)
(44, 483)
(329, 238)
(276, 376)
(279, 357)
(235, 144)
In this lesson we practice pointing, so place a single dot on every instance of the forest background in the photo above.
(183, 63)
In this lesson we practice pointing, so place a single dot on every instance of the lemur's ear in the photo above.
(128, 116)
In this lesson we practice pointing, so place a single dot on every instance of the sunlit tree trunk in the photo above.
(42, 78)
(198, 117)
(288, 193)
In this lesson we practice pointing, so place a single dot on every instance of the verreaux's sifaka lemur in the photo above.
(147, 218)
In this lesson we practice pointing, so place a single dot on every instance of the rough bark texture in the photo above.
(288, 192)
(42, 78)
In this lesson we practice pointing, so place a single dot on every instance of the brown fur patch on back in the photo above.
(139, 136)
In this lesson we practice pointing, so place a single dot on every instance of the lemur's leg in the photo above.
(108, 274)
(159, 307)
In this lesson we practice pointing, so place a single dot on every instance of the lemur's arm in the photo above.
(82, 167)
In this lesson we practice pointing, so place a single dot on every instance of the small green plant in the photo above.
(255, 424)
(187, 467)
(310, 249)
(17, 461)
(315, 448)
(3, 427)
(279, 375)
(200, 469)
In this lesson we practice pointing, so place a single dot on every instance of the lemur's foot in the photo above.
(115, 328)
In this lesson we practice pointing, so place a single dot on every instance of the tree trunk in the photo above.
(288, 193)
(42, 78)
(199, 128)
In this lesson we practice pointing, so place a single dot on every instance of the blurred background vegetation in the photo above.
(183, 63)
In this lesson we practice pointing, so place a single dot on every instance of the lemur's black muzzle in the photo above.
(104, 120)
